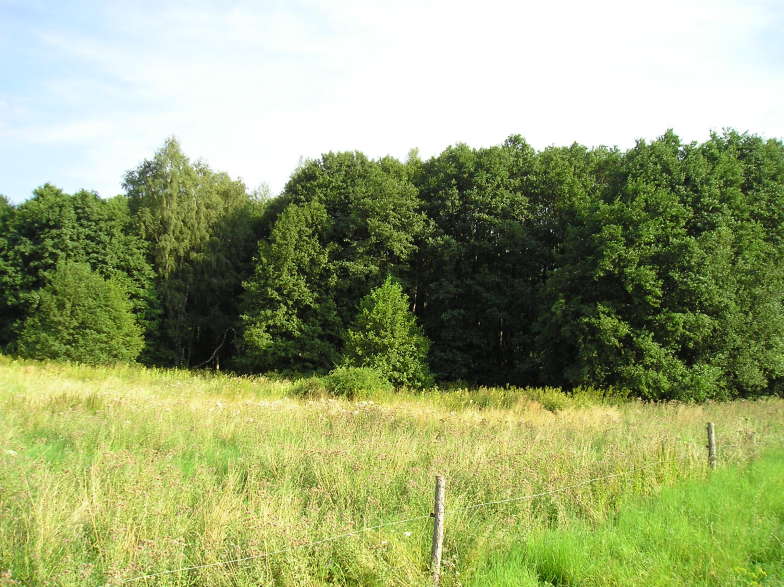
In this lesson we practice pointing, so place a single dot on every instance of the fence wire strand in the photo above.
(566, 487)
(397, 523)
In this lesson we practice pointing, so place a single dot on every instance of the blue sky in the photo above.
(90, 89)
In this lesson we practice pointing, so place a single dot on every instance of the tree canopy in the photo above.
(79, 316)
(346, 221)
(54, 227)
(200, 227)
(659, 269)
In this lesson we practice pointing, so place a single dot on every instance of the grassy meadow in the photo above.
(111, 475)
(726, 530)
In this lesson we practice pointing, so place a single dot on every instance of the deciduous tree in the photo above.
(79, 316)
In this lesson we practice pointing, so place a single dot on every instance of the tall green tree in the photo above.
(564, 185)
(290, 317)
(672, 288)
(346, 222)
(201, 230)
(9, 275)
(374, 218)
(470, 275)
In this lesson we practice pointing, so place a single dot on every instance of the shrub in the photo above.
(81, 317)
(385, 336)
(355, 382)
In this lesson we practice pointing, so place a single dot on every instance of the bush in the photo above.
(81, 317)
(355, 382)
(386, 336)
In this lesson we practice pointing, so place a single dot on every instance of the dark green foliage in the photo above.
(672, 288)
(201, 230)
(373, 219)
(386, 337)
(54, 227)
(658, 271)
(79, 316)
(469, 281)
(290, 318)
(346, 222)
(9, 274)
(355, 382)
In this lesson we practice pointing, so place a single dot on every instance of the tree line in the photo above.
(658, 270)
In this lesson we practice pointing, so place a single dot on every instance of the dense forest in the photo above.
(658, 270)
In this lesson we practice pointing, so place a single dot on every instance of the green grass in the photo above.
(728, 530)
(111, 474)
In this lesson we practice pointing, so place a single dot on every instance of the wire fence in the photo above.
(404, 521)
(568, 487)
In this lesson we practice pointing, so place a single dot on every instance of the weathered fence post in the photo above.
(438, 530)
(711, 446)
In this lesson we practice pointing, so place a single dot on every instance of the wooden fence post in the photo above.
(438, 530)
(711, 446)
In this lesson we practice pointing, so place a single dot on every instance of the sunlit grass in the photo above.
(110, 474)
(727, 530)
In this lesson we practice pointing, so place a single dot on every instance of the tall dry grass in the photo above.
(111, 474)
